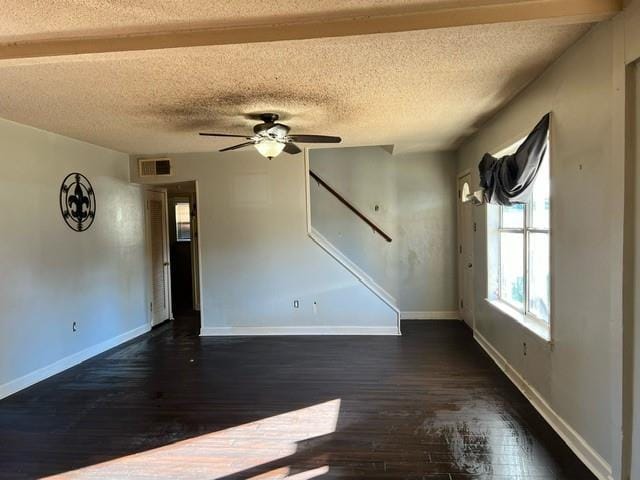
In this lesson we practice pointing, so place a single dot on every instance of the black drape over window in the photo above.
(508, 180)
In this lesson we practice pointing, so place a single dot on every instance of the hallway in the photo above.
(429, 404)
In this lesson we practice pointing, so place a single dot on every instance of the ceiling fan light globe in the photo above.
(269, 148)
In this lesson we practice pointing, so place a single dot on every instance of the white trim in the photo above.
(43, 373)
(622, 245)
(328, 247)
(199, 241)
(539, 327)
(576, 443)
(365, 279)
(369, 282)
(307, 186)
(296, 330)
(431, 315)
(535, 325)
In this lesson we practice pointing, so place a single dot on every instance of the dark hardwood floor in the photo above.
(427, 405)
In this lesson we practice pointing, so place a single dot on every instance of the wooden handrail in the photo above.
(346, 203)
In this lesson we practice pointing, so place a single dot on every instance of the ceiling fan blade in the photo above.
(206, 134)
(291, 148)
(235, 147)
(315, 139)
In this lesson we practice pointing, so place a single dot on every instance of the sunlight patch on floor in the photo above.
(285, 473)
(227, 452)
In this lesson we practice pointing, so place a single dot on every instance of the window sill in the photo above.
(534, 325)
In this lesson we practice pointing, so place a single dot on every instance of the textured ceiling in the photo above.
(33, 19)
(416, 90)
(421, 90)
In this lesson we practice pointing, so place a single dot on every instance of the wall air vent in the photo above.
(154, 167)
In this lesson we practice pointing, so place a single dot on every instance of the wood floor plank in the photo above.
(171, 404)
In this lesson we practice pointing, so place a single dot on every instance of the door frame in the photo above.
(163, 192)
(460, 265)
(195, 252)
(197, 249)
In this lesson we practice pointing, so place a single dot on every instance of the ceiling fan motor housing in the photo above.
(270, 128)
(270, 138)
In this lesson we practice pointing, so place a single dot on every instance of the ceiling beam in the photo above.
(301, 28)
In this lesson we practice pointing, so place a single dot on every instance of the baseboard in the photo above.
(430, 315)
(43, 373)
(310, 330)
(576, 443)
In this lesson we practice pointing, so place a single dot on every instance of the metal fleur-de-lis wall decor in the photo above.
(77, 202)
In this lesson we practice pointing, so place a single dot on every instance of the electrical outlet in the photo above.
(315, 308)
(524, 349)
(74, 327)
(296, 304)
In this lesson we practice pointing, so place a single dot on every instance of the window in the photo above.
(183, 222)
(519, 260)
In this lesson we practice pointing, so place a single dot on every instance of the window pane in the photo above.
(540, 204)
(539, 275)
(513, 217)
(512, 269)
(183, 222)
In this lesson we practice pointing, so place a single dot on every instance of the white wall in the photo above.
(416, 196)
(575, 375)
(51, 275)
(257, 258)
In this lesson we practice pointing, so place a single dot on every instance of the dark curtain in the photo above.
(508, 180)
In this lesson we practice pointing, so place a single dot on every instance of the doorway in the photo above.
(465, 253)
(173, 251)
